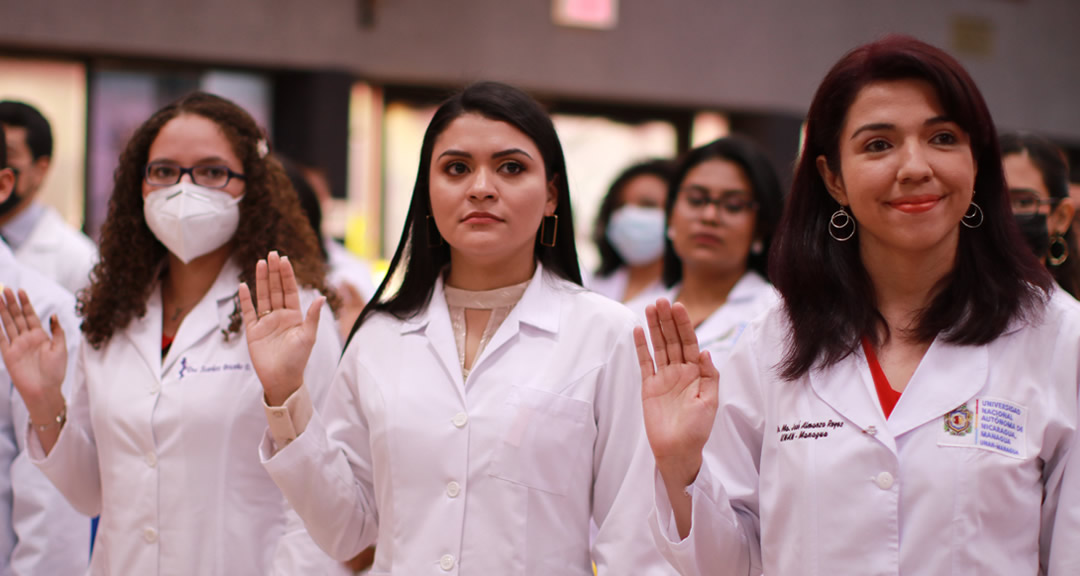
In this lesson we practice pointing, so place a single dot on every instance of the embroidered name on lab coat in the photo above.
(990, 424)
(187, 369)
(809, 430)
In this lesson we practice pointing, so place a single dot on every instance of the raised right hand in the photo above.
(35, 362)
(679, 395)
(279, 335)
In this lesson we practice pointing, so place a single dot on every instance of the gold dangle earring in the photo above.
(434, 239)
(554, 220)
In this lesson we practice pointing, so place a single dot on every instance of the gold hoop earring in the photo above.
(1059, 250)
(434, 239)
(838, 222)
(973, 218)
(544, 241)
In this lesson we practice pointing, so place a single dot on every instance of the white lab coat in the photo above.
(749, 298)
(40, 533)
(165, 451)
(497, 474)
(346, 267)
(614, 285)
(59, 252)
(977, 471)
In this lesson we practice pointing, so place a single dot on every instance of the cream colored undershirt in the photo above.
(500, 301)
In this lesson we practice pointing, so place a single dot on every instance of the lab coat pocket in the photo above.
(544, 439)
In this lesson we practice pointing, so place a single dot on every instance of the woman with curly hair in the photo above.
(160, 432)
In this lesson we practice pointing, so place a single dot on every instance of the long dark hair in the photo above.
(828, 294)
(1050, 162)
(610, 260)
(764, 184)
(420, 258)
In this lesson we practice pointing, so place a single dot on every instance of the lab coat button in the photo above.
(453, 489)
(446, 562)
(150, 535)
(884, 480)
(151, 459)
(460, 419)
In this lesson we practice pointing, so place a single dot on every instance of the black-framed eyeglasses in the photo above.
(1025, 201)
(208, 175)
(730, 203)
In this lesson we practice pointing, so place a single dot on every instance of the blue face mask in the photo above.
(637, 234)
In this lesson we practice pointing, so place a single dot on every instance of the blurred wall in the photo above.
(758, 55)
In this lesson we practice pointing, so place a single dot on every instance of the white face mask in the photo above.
(637, 234)
(191, 220)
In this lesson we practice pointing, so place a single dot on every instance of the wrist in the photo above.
(277, 395)
(48, 412)
(679, 472)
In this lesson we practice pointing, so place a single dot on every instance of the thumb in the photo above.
(58, 337)
(311, 321)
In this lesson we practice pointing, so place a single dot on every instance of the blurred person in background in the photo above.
(38, 235)
(159, 434)
(721, 211)
(346, 274)
(1038, 181)
(40, 532)
(629, 232)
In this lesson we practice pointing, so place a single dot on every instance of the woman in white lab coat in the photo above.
(722, 210)
(629, 233)
(486, 409)
(911, 408)
(159, 434)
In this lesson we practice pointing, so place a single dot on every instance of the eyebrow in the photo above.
(887, 126)
(725, 193)
(208, 160)
(499, 154)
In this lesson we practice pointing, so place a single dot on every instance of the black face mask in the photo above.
(1033, 226)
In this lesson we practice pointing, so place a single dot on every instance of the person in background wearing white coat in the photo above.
(629, 233)
(160, 431)
(36, 233)
(722, 209)
(912, 406)
(40, 533)
(485, 410)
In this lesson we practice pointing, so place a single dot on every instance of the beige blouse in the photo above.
(500, 301)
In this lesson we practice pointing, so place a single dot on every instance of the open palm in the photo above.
(35, 361)
(679, 394)
(279, 335)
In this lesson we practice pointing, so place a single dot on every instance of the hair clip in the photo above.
(262, 147)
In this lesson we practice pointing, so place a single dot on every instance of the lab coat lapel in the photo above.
(849, 389)
(211, 313)
(538, 307)
(948, 376)
(145, 333)
(435, 323)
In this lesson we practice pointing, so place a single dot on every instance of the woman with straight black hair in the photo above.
(911, 407)
(487, 409)
(722, 210)
(1038, 181)
(629, 232)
